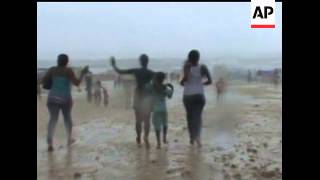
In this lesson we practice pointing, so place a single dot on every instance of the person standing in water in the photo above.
(193, 94)
(142, 99)
(97, 93)
(220, 88)
(61, 79)
(88, 79)
(116, 81)
(275, 77)
(105, 97)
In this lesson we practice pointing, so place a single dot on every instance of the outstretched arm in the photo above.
(205, 72)
(120, 71)
(75, 81)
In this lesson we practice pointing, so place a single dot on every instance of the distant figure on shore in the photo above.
(142, 99)
(88, 80)
(159, 92)
(249, 78)
(276, 77)
(116, 81)
(58, 80)
(193, 94)
(254, 75)
(220, 88)
(105, 97)
(97, 93)
(270, 76)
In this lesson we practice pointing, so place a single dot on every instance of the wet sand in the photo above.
(242, 139)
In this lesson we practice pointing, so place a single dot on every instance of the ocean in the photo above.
(167, 65)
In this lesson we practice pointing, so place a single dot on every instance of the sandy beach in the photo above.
(242, 139)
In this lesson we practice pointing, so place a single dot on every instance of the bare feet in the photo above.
(146, 141)
(165, 141)
(158, 146)
(199, 142)
(191, 142)
(138, 140)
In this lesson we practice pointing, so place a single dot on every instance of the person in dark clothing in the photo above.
(193, 94)
(142, 99)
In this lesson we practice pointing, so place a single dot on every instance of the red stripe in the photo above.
(262, 26)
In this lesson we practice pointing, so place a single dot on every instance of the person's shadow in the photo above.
(142, 160)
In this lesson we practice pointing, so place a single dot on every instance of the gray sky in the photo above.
(162, 30)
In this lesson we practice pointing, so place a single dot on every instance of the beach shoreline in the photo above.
(242, 139)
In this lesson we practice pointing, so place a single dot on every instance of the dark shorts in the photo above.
(142, 102)
(60, 100)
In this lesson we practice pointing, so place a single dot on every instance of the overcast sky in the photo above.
(162, 30)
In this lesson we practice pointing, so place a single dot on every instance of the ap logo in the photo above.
(262, 14)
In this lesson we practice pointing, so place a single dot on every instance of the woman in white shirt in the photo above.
(193, 94)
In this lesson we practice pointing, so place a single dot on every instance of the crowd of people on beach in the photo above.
(149, 97)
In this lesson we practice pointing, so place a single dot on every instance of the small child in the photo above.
(97, 93)
(105, 97)
(159, 92)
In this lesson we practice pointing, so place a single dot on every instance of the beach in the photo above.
(242, 139)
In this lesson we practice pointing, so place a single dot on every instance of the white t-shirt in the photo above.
(194, 84)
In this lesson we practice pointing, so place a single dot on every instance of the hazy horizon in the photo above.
(96, 31)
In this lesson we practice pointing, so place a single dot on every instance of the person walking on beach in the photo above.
(193, 94)
(97, 93)
(159, 92)
(58, 80)
(220, 88)
(88, 80)
(105, 97)
(275, 77)
(142, 99)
